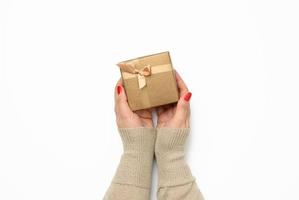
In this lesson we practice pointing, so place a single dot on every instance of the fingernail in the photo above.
(119, 89)
(187, 96)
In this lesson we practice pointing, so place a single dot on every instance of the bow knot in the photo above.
(131, 68)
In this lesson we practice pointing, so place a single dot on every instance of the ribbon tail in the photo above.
(141, 81)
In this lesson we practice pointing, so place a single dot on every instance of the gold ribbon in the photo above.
(131, 68)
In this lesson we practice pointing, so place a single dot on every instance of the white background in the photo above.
(58, 138)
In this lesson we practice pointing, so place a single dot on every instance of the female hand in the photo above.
(176, 115)
(125, 117)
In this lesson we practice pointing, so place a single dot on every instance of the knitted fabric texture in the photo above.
(170, 154)
(175, 178)
(132, 180)
(133, 176)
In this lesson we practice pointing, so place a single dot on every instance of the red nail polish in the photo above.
(119, 89)
(187, 96)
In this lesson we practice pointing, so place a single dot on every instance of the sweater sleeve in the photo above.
(175, 180)
(133, 176)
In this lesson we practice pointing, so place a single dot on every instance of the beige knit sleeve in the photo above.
(132, 180)
(175, 180)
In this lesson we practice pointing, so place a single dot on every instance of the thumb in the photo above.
(183, 107)
(121, 105)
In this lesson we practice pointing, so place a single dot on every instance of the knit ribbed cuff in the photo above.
(138, 139)
(172, 168)
(171, 139)
(135, 167)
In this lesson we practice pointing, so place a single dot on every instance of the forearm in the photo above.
(133, 177)
(175, 178)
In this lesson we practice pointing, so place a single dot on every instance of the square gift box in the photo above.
(149, 81)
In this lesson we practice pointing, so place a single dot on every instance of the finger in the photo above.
(116, 90)
(121, 105)
(181, 84)
(183, 108)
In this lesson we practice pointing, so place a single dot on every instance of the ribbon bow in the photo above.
(131, 68)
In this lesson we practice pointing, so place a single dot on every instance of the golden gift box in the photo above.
(149, 81)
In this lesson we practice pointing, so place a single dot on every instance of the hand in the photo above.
(176, 115)
(125, 117)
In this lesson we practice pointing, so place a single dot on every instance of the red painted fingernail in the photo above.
(187, 96)
(119, 89)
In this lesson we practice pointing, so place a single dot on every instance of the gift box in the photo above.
(149, 81)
